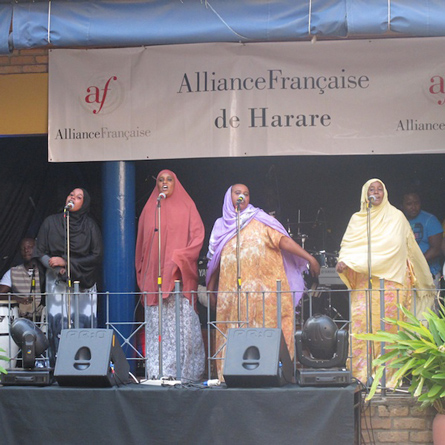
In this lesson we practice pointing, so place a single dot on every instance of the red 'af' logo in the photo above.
(104, 96)
(436, 89)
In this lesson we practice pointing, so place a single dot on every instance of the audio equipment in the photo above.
(257, 357)
(28, 377)
(90, 357)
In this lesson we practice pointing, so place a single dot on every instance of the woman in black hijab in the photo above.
(85, 254)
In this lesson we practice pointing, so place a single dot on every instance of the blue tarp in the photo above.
(123, 24)
(5, 23)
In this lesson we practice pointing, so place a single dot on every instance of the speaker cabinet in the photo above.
(90, 357)
(257, 357)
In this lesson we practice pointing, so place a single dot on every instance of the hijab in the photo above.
(182, 236)
(85, 242)
(393, 245)
(225, 229)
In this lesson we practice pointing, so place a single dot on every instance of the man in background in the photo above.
(427, 231)
(25, 282)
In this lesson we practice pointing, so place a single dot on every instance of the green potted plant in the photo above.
(3, 358)
(417, 352)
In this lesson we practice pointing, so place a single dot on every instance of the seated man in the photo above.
(26, 284)
(427, 231)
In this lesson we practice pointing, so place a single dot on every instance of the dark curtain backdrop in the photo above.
(321, 192)
(32, 188)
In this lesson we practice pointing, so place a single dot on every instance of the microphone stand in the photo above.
(68, 263)
(238, 263)
(33, 290)
(159, 288)
(300, 235)
(368, 233)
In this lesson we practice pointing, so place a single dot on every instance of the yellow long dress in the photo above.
(394, 293)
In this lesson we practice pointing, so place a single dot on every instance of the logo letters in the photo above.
(98, 95)
(438, 87)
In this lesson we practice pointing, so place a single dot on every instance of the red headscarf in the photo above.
(182, 236)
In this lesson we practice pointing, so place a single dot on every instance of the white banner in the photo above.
(212, 100)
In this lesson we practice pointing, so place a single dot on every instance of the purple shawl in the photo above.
(224, 229)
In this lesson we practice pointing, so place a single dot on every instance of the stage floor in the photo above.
(143, 414)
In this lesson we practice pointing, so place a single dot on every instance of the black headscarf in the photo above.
(85, 242)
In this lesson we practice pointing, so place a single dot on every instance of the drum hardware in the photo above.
(299, 237)
(302, 237)
(316, 291)
(8, 313)
(322, 258)
(307, 227)
(289, 231)
(202, 270)
(331, 310)
(329, 277)
(325, 306)
(319, 300)
(325, 259)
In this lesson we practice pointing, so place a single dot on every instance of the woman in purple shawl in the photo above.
(267, 254)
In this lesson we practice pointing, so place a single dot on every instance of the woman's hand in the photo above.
(57, 261)
(341, 267)
(314, 267)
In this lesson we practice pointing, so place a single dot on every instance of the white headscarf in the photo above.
(393, 245)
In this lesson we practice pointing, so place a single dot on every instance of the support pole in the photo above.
(119, 237)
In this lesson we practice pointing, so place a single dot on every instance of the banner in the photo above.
(223, 99)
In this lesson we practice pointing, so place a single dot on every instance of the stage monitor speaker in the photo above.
(257, 357)
(90, 357)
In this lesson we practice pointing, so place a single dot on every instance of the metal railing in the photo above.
(333, 302)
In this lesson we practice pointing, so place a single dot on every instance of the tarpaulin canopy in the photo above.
(137, 23)
(5, 23)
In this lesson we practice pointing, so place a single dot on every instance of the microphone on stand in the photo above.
(161, 196)
(239, 200)
(69, 206)
(371, 199)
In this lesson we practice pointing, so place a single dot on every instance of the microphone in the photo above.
(372, 198)
(161, 196)
(70, 205)
(240, 199)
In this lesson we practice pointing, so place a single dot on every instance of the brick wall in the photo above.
(25, 61)
(396, 420)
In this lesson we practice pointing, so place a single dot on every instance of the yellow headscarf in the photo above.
(393, 246)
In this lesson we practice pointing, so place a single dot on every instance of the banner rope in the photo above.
(49, 23)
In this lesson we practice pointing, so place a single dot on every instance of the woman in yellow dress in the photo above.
(395, 257)
(267, 254)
